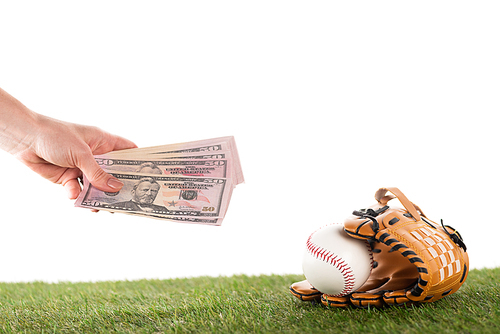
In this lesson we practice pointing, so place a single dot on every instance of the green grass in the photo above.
(238, 304)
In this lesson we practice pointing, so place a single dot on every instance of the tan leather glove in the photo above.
(415, 259)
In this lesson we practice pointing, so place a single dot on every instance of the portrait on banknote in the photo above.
(143, 194)
(148, 168)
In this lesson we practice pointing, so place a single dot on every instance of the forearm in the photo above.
(18, 124)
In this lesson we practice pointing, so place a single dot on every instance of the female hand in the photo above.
(59, 151)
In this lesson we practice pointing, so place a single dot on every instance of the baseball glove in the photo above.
(415, 259)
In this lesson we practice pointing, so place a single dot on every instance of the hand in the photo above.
(62, 152)
(59, 151)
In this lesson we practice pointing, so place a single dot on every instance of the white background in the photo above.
(328, 101)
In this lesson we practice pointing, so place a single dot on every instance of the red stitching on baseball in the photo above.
(340, 264)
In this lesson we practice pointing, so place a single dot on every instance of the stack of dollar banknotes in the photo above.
(188, 182)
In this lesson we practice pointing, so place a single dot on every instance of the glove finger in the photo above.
(335, 301)
(396, 297)
(305, 291)
(364, 299)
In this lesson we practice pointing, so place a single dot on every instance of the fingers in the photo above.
(98, 177)
(95, 174)
(89, 167)
(122, 144)
(72, 188)
(109, 142)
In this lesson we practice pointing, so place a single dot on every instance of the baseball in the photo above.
(334, 263)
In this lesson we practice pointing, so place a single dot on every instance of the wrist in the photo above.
(18, 124)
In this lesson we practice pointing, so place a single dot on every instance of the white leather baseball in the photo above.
(335, 263)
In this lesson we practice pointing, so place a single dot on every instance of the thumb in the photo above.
(98, 177)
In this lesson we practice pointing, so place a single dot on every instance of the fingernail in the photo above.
(115, 183)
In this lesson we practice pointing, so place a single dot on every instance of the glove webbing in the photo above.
(396, 245)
